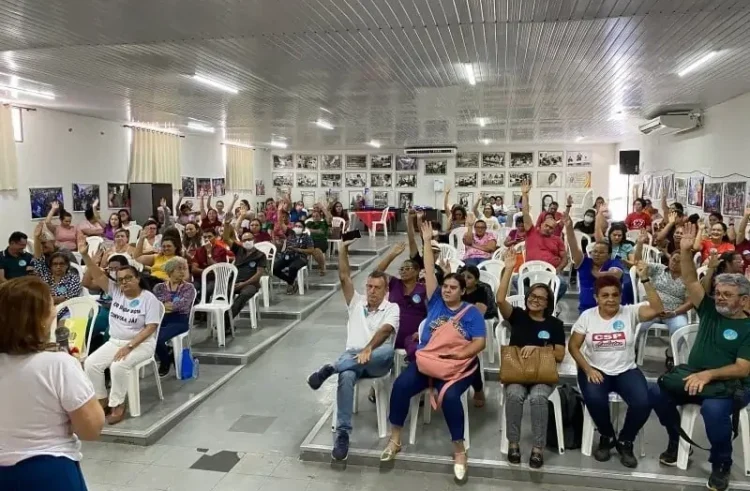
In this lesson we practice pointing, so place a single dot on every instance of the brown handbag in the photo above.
(539, 368)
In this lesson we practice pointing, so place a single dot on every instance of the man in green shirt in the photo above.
(15, 261)
(721, 352)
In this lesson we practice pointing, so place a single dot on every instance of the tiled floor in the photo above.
(247, 435)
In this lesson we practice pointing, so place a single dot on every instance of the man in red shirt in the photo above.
(541, 242)
(552, 210)
(211, 253)
(639, 218)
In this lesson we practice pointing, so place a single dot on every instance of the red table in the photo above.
(367, 217)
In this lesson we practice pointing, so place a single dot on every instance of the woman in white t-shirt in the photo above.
(606, 363)
(48, 402)
(134, 318)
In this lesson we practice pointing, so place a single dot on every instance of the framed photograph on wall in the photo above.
(549, 179)
(307, 162)
(283, 161)
(733, 198)
(330, 180)
(551, 159)
(521, 159)
(405, 162)
(41, 200)
(515, 179)
(356, 199)
(307, 179)
(547, 198)
(695, 191)
(218, 184)
(188, 187)
(381, 199)
(381, 161)
(356, 179)
(308, 199)
(435, 167)
(330, 162)
(406, 180)
(118, 195)
(578, 197)
(658, 188)
(405, 200)
(493, 160)
(516, 197)
(466, 160)
(668, 183)
(465, 179)
(492, 178)
(578, 158)
(202, 185)
(381, 179)
(260, 187)
(356, 162)
(465, 199)
(283, 179)
(578, 179)
(712, 197)
(84, 196)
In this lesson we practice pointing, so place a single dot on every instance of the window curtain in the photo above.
(155, 157)
(239, 168)
(8, 158)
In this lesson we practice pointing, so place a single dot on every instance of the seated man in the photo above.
(293, 256)
(370, 333)
(211, 253)
(251, 266)
(718, 368)
(15, 261)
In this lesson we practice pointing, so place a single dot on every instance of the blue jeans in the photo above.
(631, 385)
(43, 473)
(350, 372)
(717, 418)
(411, 382)
(560, 292)
(672, 324)
(172, 325)
(474, 261)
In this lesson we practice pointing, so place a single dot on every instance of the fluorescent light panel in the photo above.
(200, 127)
(698, 63)
(579, 138)
(374, 143)
(486, 141)
(470, 73)
(324, 124)
(278, 144)
(36, 93)
(213, 83)
(237, 144)
(482, 122)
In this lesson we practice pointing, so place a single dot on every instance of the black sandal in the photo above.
(514, 455)
(536, 460)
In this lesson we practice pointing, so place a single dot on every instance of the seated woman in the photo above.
(92, 226)
(487, 215)
(63, 280)
(444, 306)
(170, 247)
(134, 317)
(209, 218)
(177, 295)
(729, 262)
(191, 239)
(717, 241)
(52, 405)
(640, 217)
(259, 235)
(101, 323)
(121, 246)
(622, 248)
(337, 210)
(608, 362)
(590, 267)
(587, 224)
(66, 234)
(112, 226)
(456, 217)
(318, 226)
(530, 328)
(480, 244)
(281, 229)
(150, 242)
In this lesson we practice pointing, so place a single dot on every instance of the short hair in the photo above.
(457, 277)
(472, 270)
(413, 262)
(219, 201)
(549, 310)
(590, 211)
(17, 237)
(555, 203)
(735, 279)
(480, 221)
(725, 258)
(300, 222)
(549, 215)
(458, 208)
(641, 201)
(63, 214)
(125, 231)
(605, 281)
(694, 218)
(379, 275)
(173, 263)
(151, 221)
(604, 243)
(63, 255)
(209, 231)
(25, 305)
(118, 258)
(89, 213)
(717, 215)
(246, 203)
(125, 210)
(679, 208)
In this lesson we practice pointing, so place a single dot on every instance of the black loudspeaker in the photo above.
(630, 162)
(145, 197)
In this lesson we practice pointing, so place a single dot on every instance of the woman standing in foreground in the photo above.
(41, 424)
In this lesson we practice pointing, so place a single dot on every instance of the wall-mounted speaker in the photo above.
(630, 162)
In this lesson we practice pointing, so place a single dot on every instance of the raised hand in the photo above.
(689, 231)
(641, 268)
(55, 205)
(672, 217)
(509, 258)
(426, 231)
(747, 212)
(642, 236)
(163, 202)
(96, 204)
(447, 190)
(180, 193)
(235, 197)
(525, 187)
(412, 212)
(399, 248)
(570, 200)
(566, 220)
(714, 260)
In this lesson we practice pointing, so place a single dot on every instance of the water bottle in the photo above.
(196, 367)
(186, 364)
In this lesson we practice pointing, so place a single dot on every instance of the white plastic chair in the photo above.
(447, 252)
(80, 307)
(489, 278)
(382, 222)
(587, 441)
(633, 235)
(493, 266)
(455, 264)
(382, 386)
(220, 302)
(265, 281)
(134, 382)
(183, 340)
(530, 266)
(520, 248)
(340, 223)
(414, 409)
(135, 232)
(94, 243)
(499, 253)
(651, 254)
(78, 268)
(456, 239)
(702, 271)
(541, 276)
(30, 246)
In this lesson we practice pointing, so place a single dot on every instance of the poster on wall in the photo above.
(550, 159)
(547, 198)
(332, 196)
(493, 178)
(260, 187)
(405, 200)
(358, 162)
(203, 186)
(332, 180)
(657, 187)
(308, 199)
(712, 197)
(466, 200)
(330, 162)
(41, 200)
(84, 196)
(381, 161)
(647, 183)
(681, 190)
(549, 179)
(404, 162)
(381, 179)
(465, 179)
(381, 199)
(282, 179)
(408, 180)
(668, 183)
(578, 197)
(466, 160)
(188, 187)
(435, 167)
(307, 180)
(307, 162)
(516, 197)
(487, 195)
(733, 198)
(578, 158)
(578, 179)
(356, 179)
(493, 160)
(515, 179)
(218, 184)
(522, 159)
(695, 191)
(283, 161)
(118, 195)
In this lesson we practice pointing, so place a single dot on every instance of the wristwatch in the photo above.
(130, 346)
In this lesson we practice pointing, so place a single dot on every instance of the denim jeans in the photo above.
(560, 292)
(172, 325)
(717, 418)
(672, 323)
(474, 261)
(631, 385)
(350, 372)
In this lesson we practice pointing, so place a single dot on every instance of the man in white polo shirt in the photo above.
(370, 332)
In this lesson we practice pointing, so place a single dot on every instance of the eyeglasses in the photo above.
(537, 298)
(59, 264)
(725, 295)
(125, 279)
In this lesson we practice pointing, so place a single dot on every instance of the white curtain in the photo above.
(155, 157)
(8, 159)
(239, 168)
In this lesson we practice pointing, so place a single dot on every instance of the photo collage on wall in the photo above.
(728, 197)
(193, 187)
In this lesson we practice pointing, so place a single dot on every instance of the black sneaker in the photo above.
(316, 379)
(606, 444)
(514, 455)
(341, 446)
(719, 478)
(625, 449)
(536, 460)
(164, 369)
(669, 456)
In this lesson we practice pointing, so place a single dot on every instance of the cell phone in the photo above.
(351, 235)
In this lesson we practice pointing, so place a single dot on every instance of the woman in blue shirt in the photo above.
(441, 307)
(621, 247)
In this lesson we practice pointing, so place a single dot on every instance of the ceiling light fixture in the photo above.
(36, 93)
(213, 83)
(325, 110)
(470, 73)
(482, 122)
(698, 63)
(278, 144)
(237, 144)
(324, 124)
(486, 141)
(154, 126)
(374, 143)
(579, 138)
(200, 127)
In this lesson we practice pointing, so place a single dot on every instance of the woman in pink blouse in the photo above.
(65, 232)
(479, 243)
(92, 225)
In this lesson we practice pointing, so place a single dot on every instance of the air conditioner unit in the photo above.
(672, 123)
(442, 151)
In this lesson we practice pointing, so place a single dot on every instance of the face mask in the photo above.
(588, 219)
(248, 244)
(297, 230)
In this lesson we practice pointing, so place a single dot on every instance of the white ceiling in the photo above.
(390, 70)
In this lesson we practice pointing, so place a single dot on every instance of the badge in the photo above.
(134, 303)
(543, 335)
(22, 263)
(618, 325)
(61, 290)
(252, 264)
(286, 258)
(730, 334)
(416, 298)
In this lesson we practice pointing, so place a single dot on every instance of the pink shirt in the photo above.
(66, 237)
(86, 225)
(482, 241)
(542, 248)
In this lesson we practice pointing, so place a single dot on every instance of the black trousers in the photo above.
(287, 269)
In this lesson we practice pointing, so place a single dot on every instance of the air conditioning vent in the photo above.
(442, 151)
(672, 123)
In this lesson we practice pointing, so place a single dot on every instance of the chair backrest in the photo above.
(225, 275)
(683, 337)
(702, 272)
(78, 268)
(590, 248)
(493, 266)
(447, 252)
(94, 243)
(521, 247)
(352, 217)
(655, 224)
(269, 250)
(384, 216)
(698, 259)
(539, 276)
(456, 240)
(420, 329)
(180, 227)
(135, 232)
(651, 254)
(536, 265)
(634, 282)
(338, 222)
(490, 279)
(82, 308)
(499, 253)
(455, 263)
(30, 245)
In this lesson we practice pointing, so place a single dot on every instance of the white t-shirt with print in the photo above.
(129, 316)
(39, 391)
(362, 324)
(610, 344)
